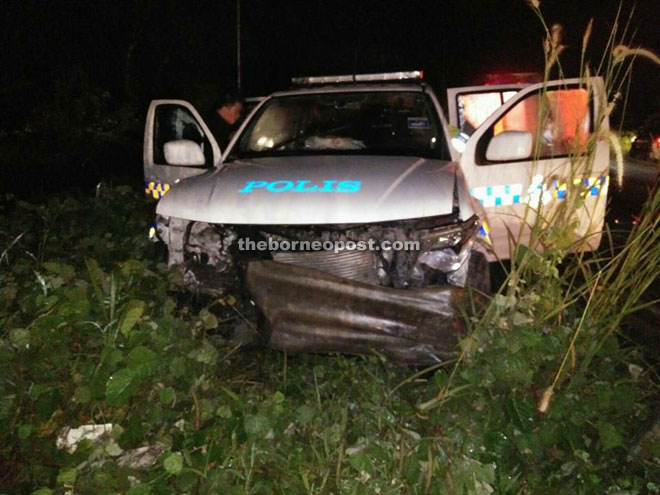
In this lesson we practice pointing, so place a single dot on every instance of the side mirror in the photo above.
(510, 145)
(183, 152)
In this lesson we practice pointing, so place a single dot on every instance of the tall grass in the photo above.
(542, 388)
(605, 289)
(598, 291)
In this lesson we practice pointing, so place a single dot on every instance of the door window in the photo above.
(173, 122)
(558, 120)
(475, 108)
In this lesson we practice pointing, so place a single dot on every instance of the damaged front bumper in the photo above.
(409, 305)
(307, 310)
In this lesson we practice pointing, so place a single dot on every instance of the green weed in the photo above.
(543, 398)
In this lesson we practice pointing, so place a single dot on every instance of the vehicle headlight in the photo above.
(451, 236)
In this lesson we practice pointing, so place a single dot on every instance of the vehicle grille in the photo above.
(353, 265)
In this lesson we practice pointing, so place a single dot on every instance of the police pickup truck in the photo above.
(359, 178)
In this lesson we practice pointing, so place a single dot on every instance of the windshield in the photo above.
(375, 123)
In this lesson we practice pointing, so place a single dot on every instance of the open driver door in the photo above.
(177, 144)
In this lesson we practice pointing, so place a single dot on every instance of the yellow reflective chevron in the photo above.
(156, 189)
(484, 232)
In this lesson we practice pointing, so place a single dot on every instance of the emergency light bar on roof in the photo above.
(383, 76)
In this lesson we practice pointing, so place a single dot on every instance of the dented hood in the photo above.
(315, 190)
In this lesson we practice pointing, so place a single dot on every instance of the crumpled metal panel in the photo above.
(312, 311)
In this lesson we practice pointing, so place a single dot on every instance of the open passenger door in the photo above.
(542, 154)
(177, 144)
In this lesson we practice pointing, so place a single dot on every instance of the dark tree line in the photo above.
(77, 76)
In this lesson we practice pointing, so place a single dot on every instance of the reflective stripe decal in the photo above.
(156, 189)
(512, 194)
(593, 186)
(500, 195)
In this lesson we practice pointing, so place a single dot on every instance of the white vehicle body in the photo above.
(504, 177)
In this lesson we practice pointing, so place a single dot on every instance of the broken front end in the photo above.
(405, 254)
(394, 287)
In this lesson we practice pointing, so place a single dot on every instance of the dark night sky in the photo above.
(146, 49)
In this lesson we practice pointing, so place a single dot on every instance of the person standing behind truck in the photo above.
(223, 119)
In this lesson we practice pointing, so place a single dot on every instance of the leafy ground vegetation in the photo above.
(544, 398)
